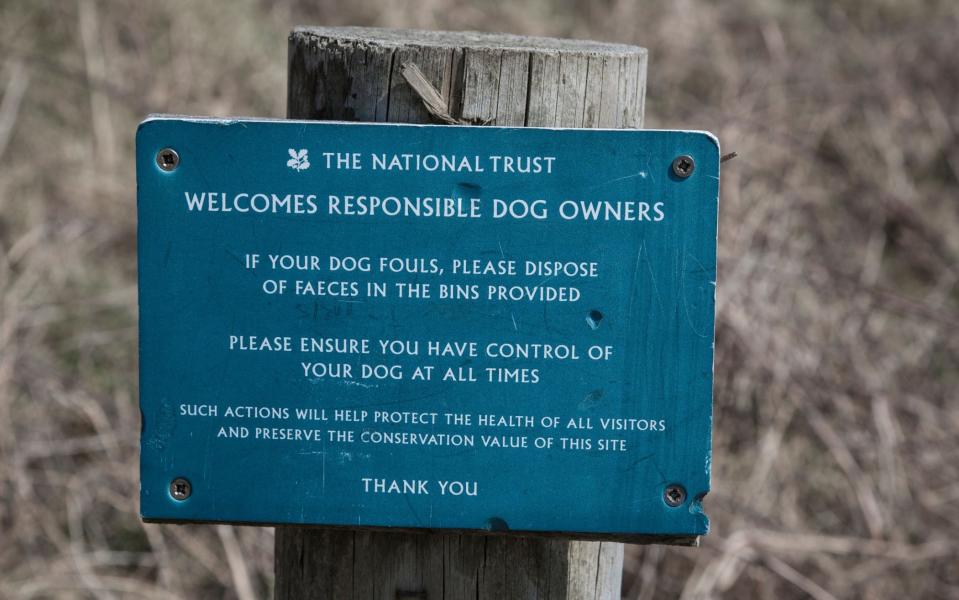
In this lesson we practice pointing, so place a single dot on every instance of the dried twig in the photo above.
(433, 101)
(10, 106)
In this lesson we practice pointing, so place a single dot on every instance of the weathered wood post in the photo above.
(356, 74)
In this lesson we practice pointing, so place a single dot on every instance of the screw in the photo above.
(683, 166)
(168, 159)
(674, 495)
(180, 489)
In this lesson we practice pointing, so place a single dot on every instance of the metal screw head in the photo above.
(674, 495)
(683, 166)
(180, 489)
(168, 159)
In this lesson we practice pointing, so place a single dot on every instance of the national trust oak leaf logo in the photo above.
(299, 160)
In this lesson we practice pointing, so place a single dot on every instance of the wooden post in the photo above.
(357, 74)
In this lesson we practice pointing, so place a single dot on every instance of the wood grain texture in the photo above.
(354, 74)
(314, 563)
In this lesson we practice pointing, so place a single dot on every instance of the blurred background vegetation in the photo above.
(836, 468)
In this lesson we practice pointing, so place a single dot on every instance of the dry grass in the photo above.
(837, 421)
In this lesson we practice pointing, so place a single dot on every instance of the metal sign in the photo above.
(472, 328)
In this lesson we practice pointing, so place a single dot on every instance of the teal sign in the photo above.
(440, 327)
